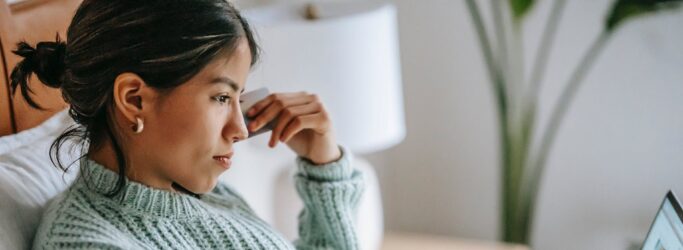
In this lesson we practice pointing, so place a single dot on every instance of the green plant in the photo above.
(523, 156)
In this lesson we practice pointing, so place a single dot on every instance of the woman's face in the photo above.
(196, 122)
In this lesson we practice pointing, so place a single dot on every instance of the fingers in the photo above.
(286, 117)
(270, 107)
(302, 122)
(260, 105)
(294, 112)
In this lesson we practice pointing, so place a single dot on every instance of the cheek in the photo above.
(190, 126)
(187, 134)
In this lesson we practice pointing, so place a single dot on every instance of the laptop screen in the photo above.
(666, 231)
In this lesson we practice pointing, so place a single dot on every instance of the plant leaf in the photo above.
(627, 9)
(520, 7)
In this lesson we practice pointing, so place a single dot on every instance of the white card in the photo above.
(248, 100)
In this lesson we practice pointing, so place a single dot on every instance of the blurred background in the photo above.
(617, 152)
(411, 96)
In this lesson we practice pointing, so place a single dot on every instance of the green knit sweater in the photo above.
(142, 217)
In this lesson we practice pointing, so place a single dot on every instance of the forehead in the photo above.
(216, 74)
(228, 82)
(228, 68)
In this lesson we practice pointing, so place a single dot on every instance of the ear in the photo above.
(132, 96)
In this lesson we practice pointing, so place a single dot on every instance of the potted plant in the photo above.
(523, 156)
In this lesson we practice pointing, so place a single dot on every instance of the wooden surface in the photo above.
(5, 116)
(32, 21)
(412, 241)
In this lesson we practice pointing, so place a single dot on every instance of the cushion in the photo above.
(29, 180)
(55, 124)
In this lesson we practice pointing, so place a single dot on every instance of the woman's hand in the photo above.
(302, 123)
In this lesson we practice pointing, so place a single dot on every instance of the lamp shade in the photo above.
(348, 56)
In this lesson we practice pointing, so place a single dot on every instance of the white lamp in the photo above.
(348, 56)
(347, 53)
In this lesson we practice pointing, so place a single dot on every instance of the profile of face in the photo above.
(186, 128)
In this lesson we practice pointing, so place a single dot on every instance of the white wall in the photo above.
(443, 178)
(619, 150)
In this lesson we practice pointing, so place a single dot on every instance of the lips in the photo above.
(228, 155)
(224, 160)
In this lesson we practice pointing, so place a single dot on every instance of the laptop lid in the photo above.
(666, 231)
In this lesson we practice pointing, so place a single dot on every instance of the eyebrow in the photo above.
(228, 81)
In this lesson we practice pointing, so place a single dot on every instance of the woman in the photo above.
(155, 88)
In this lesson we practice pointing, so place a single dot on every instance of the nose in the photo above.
(236, 128)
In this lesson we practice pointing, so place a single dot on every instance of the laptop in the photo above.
(666, 232)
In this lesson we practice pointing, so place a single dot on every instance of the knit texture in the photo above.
(142, 217)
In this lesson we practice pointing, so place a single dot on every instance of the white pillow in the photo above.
(55, 124)
(29, 180)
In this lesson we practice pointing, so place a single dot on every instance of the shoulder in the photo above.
(71, 222)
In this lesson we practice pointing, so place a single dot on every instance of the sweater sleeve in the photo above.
(330, 193)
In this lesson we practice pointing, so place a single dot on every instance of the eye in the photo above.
(222, 99)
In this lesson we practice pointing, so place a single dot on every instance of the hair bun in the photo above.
(46, 61)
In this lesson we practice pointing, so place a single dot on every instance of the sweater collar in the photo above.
(136, 195)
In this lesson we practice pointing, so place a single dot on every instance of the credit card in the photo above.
(248, 100)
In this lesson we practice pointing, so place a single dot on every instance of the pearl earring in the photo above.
(137, 128)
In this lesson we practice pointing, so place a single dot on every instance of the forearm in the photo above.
(330, 194)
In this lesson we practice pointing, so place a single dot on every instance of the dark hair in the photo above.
(165, 42)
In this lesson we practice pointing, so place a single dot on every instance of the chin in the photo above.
(199, 184)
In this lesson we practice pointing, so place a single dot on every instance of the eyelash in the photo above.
(218, 99)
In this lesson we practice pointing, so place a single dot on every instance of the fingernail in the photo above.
(250, 112)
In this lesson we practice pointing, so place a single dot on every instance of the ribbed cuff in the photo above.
(337, 170)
